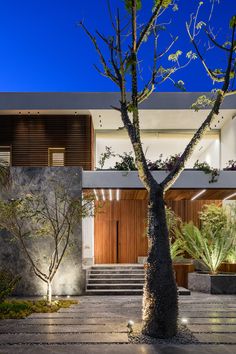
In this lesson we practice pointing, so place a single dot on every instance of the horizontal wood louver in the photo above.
(56, 157)
(32, 136)
(5, 155)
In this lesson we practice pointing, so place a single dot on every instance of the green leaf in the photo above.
(174, 57)
(232, 22)
(128, 5)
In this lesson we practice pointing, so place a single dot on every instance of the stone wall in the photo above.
(70, 277)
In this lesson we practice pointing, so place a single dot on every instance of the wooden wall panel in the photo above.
(31, 136)
(131, 216)
(189, 210)
(123, 239)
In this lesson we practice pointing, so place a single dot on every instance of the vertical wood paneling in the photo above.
(132, 239)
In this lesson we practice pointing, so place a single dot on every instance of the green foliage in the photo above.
(231, 166)
(202, 102)
(106, 156)
(175, 56)
(232, 22)
(173, 224)
(165, 3)
(8, 283)
(208, 247)
(213, 217)
(23, 308)
(128, 5)
(127, 162)
(207, 169)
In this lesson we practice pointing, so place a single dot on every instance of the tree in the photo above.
(33, 219)
(121, 63)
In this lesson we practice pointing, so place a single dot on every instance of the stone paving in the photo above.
(98, 325)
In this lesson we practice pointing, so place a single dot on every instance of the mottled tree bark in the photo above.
(160, 300)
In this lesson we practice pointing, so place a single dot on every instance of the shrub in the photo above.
(208, 247)
(8, 283)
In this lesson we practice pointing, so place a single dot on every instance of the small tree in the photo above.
(34, 219)
(122, 65)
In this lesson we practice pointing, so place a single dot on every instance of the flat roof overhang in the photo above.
(85, 101)
(189, 179)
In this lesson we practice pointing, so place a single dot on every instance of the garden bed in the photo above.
(24, 308)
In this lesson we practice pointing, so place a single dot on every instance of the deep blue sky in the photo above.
(42, 49)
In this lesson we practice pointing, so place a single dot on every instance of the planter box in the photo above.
(228, 267)
(182, 269)
(212, 284)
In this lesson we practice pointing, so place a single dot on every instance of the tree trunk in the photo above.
(160, 298)
(49, 292)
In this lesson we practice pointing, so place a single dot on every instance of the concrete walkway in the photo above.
(98, 325)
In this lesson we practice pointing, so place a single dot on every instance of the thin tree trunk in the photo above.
(160, 300)
(49, 292)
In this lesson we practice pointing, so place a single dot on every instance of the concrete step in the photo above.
(115, 272)
(122, 268)
(114, 286)
(116, 280)
(116, 276)
(114, 292)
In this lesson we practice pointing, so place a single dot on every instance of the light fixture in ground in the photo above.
(230, 196)
(184, 320)
(198, 194)
(130, 325)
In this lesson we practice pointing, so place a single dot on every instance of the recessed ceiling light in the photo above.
(198, 194)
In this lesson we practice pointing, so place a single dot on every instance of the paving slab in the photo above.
(83, 328)
(208, 314)
(221, 320)
(63, 338)
(222, 328)
(117, 349)
(221, 338)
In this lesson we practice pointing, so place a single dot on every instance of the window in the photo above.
(5, 154)
(56, 157)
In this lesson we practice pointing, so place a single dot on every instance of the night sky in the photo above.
(43, 49)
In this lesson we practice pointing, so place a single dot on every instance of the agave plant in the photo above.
(173, 223)
(208, 247)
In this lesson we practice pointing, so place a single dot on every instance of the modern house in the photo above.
(58, 130)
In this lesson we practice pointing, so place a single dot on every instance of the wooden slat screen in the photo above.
(31, 136)
(5, 154)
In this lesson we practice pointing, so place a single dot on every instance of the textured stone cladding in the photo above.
(70, 277)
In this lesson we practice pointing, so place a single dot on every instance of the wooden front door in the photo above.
(120, 235)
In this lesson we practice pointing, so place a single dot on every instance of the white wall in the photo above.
(155, 144)
(228, 142)
(211, 154)
(88, 241)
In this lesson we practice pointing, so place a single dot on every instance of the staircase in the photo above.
(115, 280)
(118, 280)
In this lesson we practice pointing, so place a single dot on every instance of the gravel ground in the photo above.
(184, 336)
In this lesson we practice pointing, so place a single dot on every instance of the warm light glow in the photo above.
(184, 320)
(68, 296)
(110, 194)
(103, 195)
(95, 193)
(198, 194)
(117, 195)
(230, 196)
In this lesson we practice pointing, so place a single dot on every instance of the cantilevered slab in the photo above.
(189, 179)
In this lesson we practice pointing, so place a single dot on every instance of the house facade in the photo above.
(71, 130)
